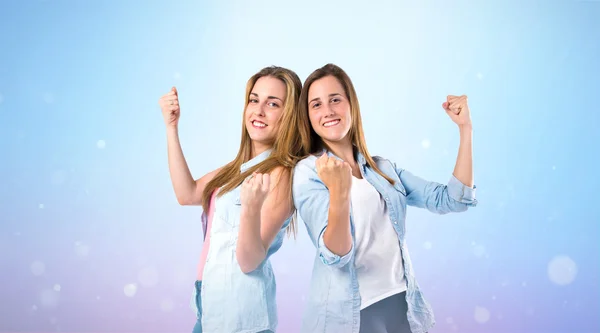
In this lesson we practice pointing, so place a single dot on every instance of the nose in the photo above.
(260, 111)
(328, 111)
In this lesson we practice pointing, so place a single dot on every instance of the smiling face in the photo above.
(263, 111)
(329, 110)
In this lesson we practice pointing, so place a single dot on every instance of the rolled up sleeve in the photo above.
(461, 192)
(436, 197)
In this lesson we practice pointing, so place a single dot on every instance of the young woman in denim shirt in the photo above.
(247, 206)
(354, 208)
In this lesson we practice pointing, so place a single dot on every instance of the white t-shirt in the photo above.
(378, 260)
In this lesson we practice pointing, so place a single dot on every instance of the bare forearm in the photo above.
(337, 236)
(463, 169)
(181, 177)
(250, 250)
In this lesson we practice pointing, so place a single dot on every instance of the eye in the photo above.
(335, 100)
(273, 105)
(316, 105)
(253, 100)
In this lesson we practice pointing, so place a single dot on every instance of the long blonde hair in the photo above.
(286, 148)
(356, 133)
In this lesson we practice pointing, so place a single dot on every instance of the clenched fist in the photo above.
(457, 109)
(335, 174)
(255, 190)
(169, 105)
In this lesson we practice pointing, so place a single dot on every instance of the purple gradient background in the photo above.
(86, 204)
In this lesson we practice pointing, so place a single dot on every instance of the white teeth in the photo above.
(331, 123)
(257, 124)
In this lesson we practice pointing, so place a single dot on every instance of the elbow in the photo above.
(182, 201)
(247, 269)
(339, 250)
(247, 263)
(188, 199)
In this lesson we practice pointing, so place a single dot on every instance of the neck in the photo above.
(258, 148)
(343, 149)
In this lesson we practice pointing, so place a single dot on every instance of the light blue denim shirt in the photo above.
(231, 300)
(333, 304)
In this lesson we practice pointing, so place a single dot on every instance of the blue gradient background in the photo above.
(93, 240)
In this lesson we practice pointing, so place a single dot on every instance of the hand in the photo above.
(169, 105)
(458, 110)
(336, 174)
(255, 190)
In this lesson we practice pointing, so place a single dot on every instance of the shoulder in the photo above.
(384, 164)
(306, 165)
(279, 173)
(305, 172)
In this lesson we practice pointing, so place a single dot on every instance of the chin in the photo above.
(333, 137)
(262, 139)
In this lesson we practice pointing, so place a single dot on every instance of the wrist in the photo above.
(172, 129)
(339, 196)
(465, 127)
(250, 212)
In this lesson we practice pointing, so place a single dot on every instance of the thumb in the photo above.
(452, 115)
(174, 90)
(445, 106)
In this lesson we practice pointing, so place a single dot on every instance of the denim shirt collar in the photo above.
(259, 158)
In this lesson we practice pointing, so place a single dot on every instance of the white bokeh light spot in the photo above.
(482, 315)
(426, 144)
(148, 276)
(57, 287)
(130, 289)
(562, 270)
(427, 245)
(41, 206)
(37, 268)
(101, 144)
(480, 76)
(177, 75)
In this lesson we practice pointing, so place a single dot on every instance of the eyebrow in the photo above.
(268, 97)
(330, 95)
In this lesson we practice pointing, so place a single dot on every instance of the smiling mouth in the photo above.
(258, 124)
(331, 123)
